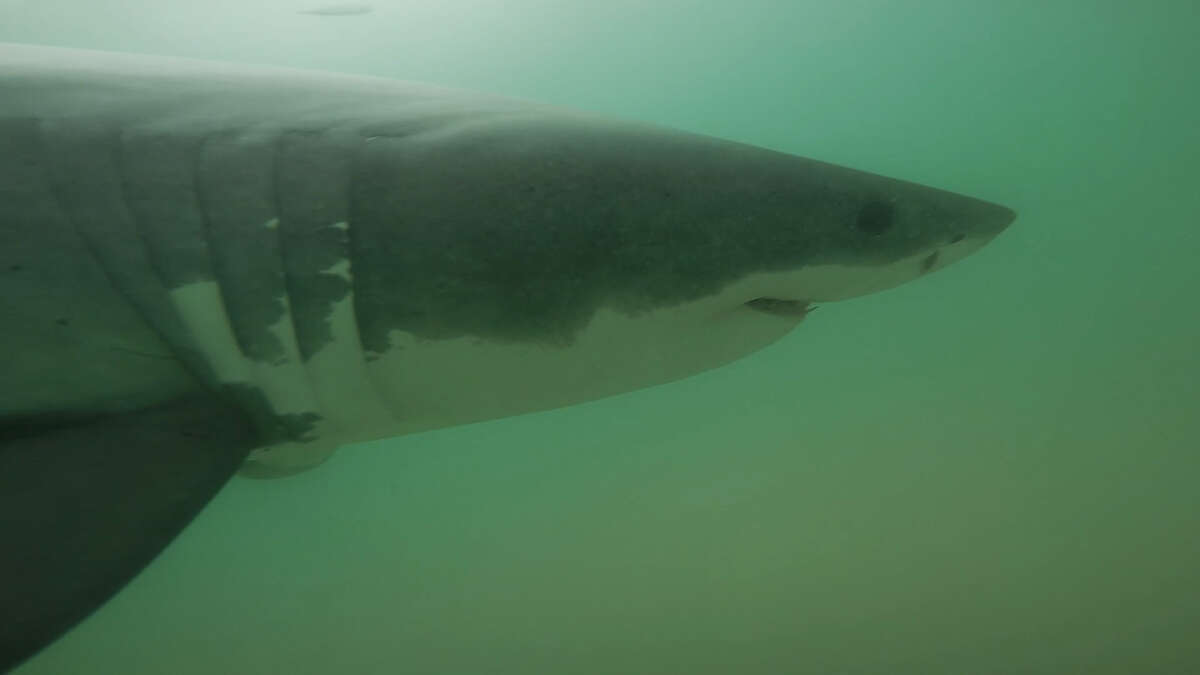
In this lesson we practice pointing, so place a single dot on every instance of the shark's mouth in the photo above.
(793, 308)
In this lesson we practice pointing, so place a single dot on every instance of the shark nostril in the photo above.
(876, 217)
(957, 238)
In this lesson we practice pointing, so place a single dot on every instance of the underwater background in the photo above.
(993, 469)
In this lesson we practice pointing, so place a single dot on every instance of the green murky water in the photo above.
(991, 470)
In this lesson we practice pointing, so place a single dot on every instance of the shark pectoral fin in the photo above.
(84, 507)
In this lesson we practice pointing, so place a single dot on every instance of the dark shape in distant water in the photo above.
(347, 9)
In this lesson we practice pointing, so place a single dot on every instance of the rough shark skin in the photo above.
(329, 258)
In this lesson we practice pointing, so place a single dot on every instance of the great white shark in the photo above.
(207, 268)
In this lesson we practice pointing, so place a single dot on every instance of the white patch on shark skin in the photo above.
(339, 374)
(333, 384)
(438, 383)
(341, 269)
(420, 384)
(285, 383)
(827, 283)
(202, 311)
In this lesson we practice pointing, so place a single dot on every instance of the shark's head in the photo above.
(539, 260)
(697, 217)
(805, 232)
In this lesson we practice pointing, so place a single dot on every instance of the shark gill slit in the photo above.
(176, 335)
(350, 242)
(148, 303)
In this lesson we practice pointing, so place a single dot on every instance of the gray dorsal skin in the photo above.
(295, 260)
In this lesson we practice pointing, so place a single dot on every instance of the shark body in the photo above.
(207, 267)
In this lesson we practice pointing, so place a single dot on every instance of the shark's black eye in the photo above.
(876, 217)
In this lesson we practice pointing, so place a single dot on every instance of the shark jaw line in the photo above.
(792, 293)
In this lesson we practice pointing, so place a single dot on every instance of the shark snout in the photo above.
(993, 219)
